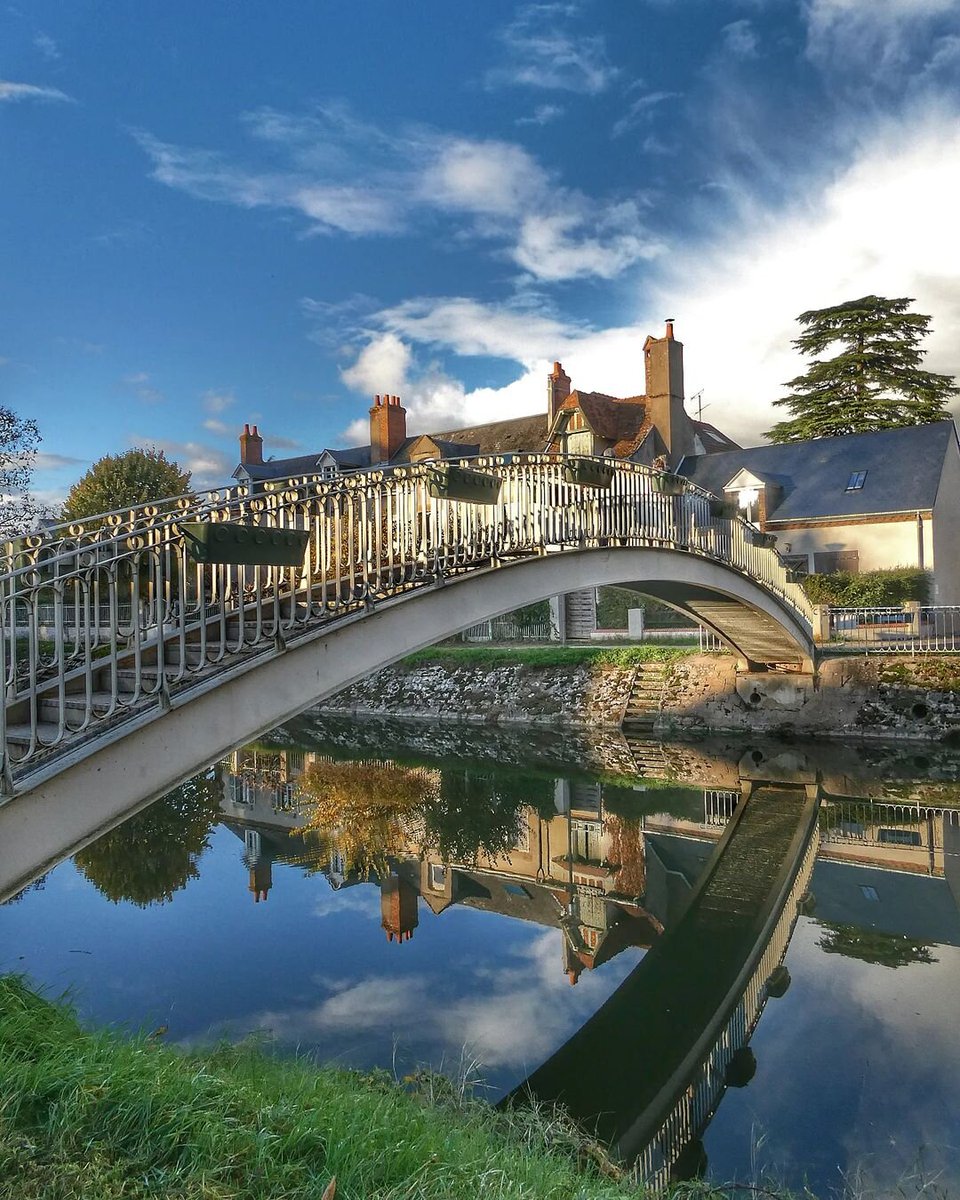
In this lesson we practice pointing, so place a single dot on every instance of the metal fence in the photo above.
(897, 629)
(504, 630)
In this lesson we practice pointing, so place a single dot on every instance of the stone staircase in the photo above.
(646, 698)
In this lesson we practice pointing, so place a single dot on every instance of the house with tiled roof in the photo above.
(861, 502)
(640, 428)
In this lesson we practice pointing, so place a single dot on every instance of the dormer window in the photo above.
(856, 481)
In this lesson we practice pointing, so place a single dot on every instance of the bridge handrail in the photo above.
(373, 534)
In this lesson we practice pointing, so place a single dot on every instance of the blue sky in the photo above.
(241, 211)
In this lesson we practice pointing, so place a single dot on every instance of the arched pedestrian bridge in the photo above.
(126, 661)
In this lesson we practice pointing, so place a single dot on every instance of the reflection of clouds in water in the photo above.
(506, 1016)
(877, 1048)
(910, 1093)
(359, 899)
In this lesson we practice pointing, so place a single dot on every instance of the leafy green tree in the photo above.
(155, 853)
(477, 815)
(874, 382)
(19, 439)
(124, 480)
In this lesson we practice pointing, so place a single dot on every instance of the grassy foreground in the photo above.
(104, 1117)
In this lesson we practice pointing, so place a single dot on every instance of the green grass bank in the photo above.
(550, 655)
(102, 1116)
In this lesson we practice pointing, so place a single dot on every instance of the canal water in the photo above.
(780, 922)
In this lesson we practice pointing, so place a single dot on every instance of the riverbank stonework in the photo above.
(865, 698)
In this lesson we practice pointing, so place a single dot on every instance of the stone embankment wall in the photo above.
(859, 698)
(574, 696)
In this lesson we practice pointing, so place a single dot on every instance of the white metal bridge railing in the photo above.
(107, 615)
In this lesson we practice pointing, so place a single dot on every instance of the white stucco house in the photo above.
(862, 502)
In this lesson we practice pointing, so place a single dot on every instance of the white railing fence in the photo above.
(134, 615)
(897, 629)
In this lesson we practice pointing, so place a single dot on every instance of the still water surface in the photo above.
(472, 904)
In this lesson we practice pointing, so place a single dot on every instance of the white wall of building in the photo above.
(946, 531)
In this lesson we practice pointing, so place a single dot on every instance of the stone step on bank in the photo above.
(871, 698)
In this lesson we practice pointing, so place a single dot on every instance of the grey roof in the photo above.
(902, 465)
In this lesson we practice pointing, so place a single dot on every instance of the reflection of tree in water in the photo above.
(872, 946)
(36, 886)
(154, 854)
(477, 815)
(363, 810)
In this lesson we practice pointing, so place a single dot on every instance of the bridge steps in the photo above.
(646, 697)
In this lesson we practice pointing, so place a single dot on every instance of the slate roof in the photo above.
(516, 436)
(902, 465)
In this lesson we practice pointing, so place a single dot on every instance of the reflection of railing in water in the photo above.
(888, 830)
(718, 805)
(688, 1119)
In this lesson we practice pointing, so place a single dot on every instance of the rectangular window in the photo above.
(856, 480)
(828, 562)
(899, 837)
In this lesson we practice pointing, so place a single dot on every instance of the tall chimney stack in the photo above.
(251, 447)
(663, 369)
(558, 389)
(388, 428)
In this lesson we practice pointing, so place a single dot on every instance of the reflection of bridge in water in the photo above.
(648, 1070)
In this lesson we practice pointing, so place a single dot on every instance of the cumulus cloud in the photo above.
(30, 91)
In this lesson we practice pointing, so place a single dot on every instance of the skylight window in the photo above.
(856, 481)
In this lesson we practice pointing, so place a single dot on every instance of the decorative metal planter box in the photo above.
(667, 484)
(245, 545)
(447, 481)
(756, 538)
(726, 509)
(588, 472)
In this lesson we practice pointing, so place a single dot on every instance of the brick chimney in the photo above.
(388, 428)
(398, 908)
(558, 389)
(663, 368)
(251, 447)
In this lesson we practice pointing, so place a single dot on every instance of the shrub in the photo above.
(871, 589)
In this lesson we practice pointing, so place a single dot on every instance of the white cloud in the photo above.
(215, 426)
(30, 91)
(209, 467)
(47, 46)
(487, 189)
(45, 461)
(215, 401)
(468, 327)
(138, 383)
(877, 37)
(543, 114)
(381, 366)
(883, 223)
(541, 53)
(641, 110)
(484, 177)
(740, 39)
